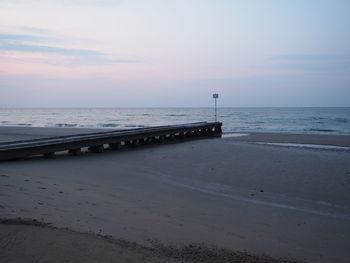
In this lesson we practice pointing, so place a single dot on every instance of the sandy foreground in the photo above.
(232, 193)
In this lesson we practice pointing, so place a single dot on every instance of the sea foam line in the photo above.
(230, 135)
(305, 145)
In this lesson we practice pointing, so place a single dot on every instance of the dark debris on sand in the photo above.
(24, 221)
(204, 253)
(192, 253)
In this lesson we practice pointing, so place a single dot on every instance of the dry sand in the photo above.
(230, 193)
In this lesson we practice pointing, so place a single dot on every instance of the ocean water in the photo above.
(286, 120)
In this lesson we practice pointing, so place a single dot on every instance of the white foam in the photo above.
(229, 135)
(305, 145)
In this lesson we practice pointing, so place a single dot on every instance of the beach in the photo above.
(263, 193)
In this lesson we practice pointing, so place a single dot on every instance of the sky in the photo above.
(174, 53)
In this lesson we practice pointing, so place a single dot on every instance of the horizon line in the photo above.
(170, 107)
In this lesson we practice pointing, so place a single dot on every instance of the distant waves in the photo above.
(285, 120)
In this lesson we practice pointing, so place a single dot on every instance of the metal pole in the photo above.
(215, 96)
(215, 111)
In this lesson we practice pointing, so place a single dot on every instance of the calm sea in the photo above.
(288, 120)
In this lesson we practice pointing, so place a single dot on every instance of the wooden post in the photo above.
(115, 146)
(75, 152)
(49, 155)
(171, 137)
(161, 138)
(128, 143)
(210, 131)
(136, 142)
(96, 148)
(150, 140)
(181, 135)
(217, 131)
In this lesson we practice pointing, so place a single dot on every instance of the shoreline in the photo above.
(231, 193)
(298, 138)
(226, 130)
(13, 133)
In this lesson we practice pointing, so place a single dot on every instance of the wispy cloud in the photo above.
(311, 57)
(16, 37)
(19, 43)
(312, 62)
(31, 29)
(71, 2)
(48, 49)
(94, 2)
(25, 30)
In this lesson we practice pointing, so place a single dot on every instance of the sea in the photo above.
(284, 120)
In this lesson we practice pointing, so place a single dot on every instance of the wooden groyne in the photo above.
(100, 141)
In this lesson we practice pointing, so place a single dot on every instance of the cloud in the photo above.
(311, 57)
(47, 49)
(95, 2)
(102, 3)
(15, 37)
(31, 29)
(322, 63)
(18, 42)
(24, 29)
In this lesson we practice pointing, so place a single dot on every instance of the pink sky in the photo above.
(275, 53)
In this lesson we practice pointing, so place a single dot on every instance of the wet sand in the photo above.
(229, 193)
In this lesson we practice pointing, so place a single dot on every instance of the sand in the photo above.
(32, 241)
(231, 193)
